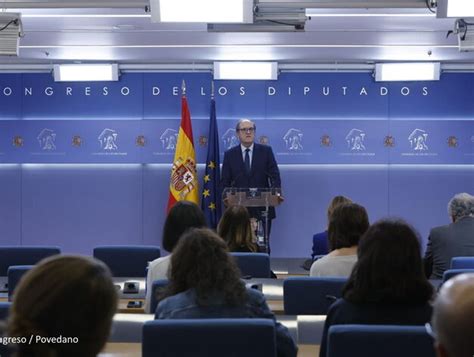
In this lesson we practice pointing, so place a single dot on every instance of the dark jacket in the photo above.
(264, 172)
(445, 242)
(183, 306)
(343, 312)
(320, 244)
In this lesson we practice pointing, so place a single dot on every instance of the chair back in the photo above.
(209, 338)
(157, 285)
(4, 310)
(311, 295)
(24, 255)
(255, 265)
(15, 273)
(379, 340)
(450, 273)
(127, 260)
(462, 263)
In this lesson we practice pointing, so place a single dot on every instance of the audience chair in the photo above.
(24, 255)
(209, 338)
(4, 311)
(15, 273)
(127, 261)
(311, 296)
(157, 285)
(253, 265)
(448, 274)
(379, 340)
(462, 263)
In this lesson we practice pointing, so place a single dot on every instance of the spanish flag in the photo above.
(184, 183)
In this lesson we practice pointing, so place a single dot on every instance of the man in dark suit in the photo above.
(250, 165)
(453, 240)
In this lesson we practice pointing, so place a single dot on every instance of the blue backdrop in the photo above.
(86, 164)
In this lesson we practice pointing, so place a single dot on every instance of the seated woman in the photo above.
(320, 240)
(235, 228)
(347, 224)
(64, 296)
(206, 284)
(182, 216)
(387, 285)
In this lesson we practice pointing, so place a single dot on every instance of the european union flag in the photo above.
(211, 194)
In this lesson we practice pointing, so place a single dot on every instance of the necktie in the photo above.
(247, 161)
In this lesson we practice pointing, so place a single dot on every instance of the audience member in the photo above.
(182, 216)
(387, 285)
(68, 298)
(347, 224)
(452, 240)
(235, 228)
(320, 240)
(205, 283)
(452, 317)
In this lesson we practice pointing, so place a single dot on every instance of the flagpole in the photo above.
(183, 88)
(212, 89)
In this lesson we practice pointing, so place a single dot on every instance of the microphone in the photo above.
(232, 183)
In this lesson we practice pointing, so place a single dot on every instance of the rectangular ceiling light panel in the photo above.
(455, 8)
(85, 72)
(246, 70)
(203, 11)
(421, 71)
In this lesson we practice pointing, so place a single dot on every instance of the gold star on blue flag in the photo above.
(211, 194)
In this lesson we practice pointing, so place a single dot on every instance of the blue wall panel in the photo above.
(80, 206)
(420, 194)
(10, 204)
(308, 189)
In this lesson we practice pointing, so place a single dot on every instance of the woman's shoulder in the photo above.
(255, 296)
(177, 301)
(159, 266)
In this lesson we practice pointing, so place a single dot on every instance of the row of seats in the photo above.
(216, 337)
(132, 261)
(125, 261)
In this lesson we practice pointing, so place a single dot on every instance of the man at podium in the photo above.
(251, 165)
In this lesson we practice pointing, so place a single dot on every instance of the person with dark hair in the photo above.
(452, 240)
(347, 224)
(320, 240)
(235, 228)
(205, 283)
(69, 298)
(182, 216)
(387, 285)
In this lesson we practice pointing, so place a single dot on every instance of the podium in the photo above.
(254, 197)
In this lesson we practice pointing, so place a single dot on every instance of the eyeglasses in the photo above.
(246, 130)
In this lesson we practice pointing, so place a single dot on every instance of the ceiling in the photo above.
(121, 31)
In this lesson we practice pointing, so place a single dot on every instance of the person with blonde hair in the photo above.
(70, 300)
(236, 229)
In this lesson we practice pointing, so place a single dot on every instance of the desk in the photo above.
(135, 350)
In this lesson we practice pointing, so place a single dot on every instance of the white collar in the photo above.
(243, 148)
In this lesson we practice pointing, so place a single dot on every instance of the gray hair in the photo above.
(237, 127)
(461, 205)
